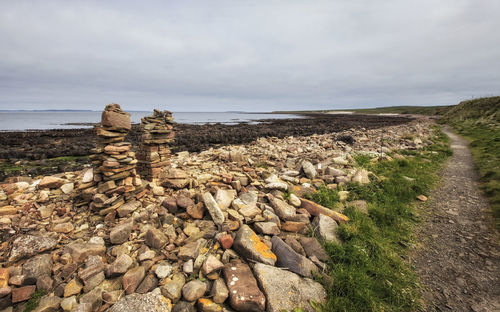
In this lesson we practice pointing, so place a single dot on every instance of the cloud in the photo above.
(246, 55)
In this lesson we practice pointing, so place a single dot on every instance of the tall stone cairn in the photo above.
(154, 150)
(114, 162)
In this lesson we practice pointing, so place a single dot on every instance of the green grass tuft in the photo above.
(34, 300)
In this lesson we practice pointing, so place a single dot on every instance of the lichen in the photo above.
(262, 248)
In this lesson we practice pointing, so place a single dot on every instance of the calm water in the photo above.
(67, 120)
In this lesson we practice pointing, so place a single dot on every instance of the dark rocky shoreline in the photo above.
(35, 147)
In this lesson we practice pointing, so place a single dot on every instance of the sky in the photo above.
(247, 55)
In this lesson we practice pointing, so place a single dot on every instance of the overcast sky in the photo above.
(247, 55)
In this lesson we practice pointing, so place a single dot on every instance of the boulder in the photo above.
(29, 245)
(244, 294)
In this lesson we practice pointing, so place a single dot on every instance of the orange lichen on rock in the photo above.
(262, 248)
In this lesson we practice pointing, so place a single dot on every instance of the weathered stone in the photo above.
(286, 290)
(132, 279)
(92, 299)
(194, 290)
(211, 264)
(183, 306)
(219, 291)
(48, 304)
(309, 169)
(288, 258)
(207, 305)
(51, 182)
(29, 245)
(68, 304)
(22, 293)
(313, 248)
(148, 283)
(81, 251)
(224, 198)
(334, 172)
(184, 201)
(359, 205)
(296, 246)
(4, 277)
(316, 209)
(65, 227)
(191, 250)
(196, 211)
(111, 296)
(116, 120)
(67, 188)
(150, 302)
(361, 176)
(213, 208)
(173, 287)
(8, 210)
(72, 288)
(120, 233)
(226, 241)
(163, 270)
(244, 294)
(127, 208)
(120, 265)
(326, 228)
(294, 200)
(37, 267)
(155, 238)
(249, 245)
(267, 228)
(294, 226)
(281, 208)
(88, 175)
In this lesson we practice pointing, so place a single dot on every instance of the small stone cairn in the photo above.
(114, 162)
(154, 150)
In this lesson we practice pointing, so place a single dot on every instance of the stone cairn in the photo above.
(113, 161)
(154, 150)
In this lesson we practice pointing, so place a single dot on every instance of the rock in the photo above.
(48, 304)
(219, 292)
(120, 233)
(334, 172)
(213, 208)
(4, 277)
(296, 246)
(29, 245)
(148, 283)
(22, 293)
(294, 201)
(37, 267)
(127, 208)
(196, 211)
(340, 161)
(288, 258)
(74, 287)
(359, 205)
(286, 290)
(313, 248)
(183, 306)
(184, 201)
(67, 188)
(193, 290)
(191, 250)
(158, 190)
(8, 210)
(224, 198)
(422, 198)
(65, 227)
(188, 266)
(81, 251)
(281, 208)
(92, 299)
(111, 296)
(116, 120)
(119, 266)
(316, 209)
(163, 270)
(68, 304)
(150, 302)
(226, 241)
(249, 245)
(173, 287)
(92, 275)
(361, 176)
(326, 228)
(266, 228)
(155, 238)
(343, 196)
(51, 182)
(244, 294)
(294, 226)
(88, 175)
(132, 279)
(211, 264)
(207, 305)
(309, 169)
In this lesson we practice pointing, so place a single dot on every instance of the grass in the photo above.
(49, 164)
(34, 300)
(368, 271)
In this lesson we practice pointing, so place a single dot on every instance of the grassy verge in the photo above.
(368, 271)
(50, 165)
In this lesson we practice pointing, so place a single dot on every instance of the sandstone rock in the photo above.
(288, 258)
(29, 245)
(116, 120)
(286, 290)
(249, 245)
(326, 228)
(132, 279)
(51, 182)
(8, 210)
(226, 241)
(313, 248)
(37, 266)
(219, 292)
(150, 302)
(155, 238)
(4, 277)
(148, 283)
(193, 290)
(120, 233)
(211, 264)
(22, 293)
(173, 287)
(119, 266)
(74, 287)
(224, 198)
(244, 294)
(81, 251)
(196, 211)
(65, 227)
(281, 208)
(316, 209)
(213, 208)
(309, 169)
(267, 228)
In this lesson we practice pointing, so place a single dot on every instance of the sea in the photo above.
(42, 120)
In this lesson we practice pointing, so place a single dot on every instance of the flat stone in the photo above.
(67, 188)
(115, 120)
(65, 227)
(120, 233)
(127, 208)
(244, 294)
(286, 290)
(153, 301)
(194, 290)
(132, 279)
(74, 287)
(88, 175)
(148, 283)
(266, 228)
(291, 260)
(120, 266)
(249, 245)
(281, 208)
(37, 267)
(213, 208)
(29, 245)
(81, 251)
(22, 293)
(155, 238)
(190, 250)
(211, 264)
(224, 198)
(173, 287)
(326, 228)
(316, 209)
(219, 291)
(51, 182)
(313, 248)
(184, 201)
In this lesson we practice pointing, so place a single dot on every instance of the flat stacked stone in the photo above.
(154, 150)
(114, 162)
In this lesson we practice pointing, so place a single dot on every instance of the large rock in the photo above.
(51, 182)
(150, 302)
(213, 208)
(249, 245)
(81, 251)
(37, 267)
(286, 290)
(116, 120)
(316, 209)
(326, 228)
(120, 233)
(224, 198)
(281, 208)
(29, 245)
(313, 248)
(309, 169)
(244, 294)
(288, 258)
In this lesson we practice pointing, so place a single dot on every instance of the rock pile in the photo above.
(154, 151)
(114, 162)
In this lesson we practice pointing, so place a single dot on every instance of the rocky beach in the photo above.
(223, 226)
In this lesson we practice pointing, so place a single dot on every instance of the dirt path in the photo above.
(458, 258)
